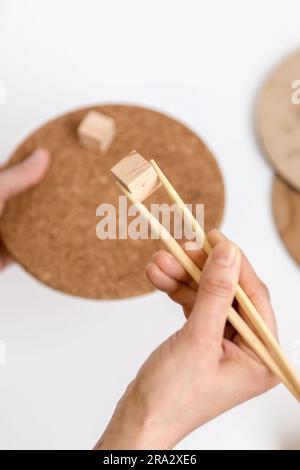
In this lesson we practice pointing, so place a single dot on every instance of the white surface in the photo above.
(68, 360)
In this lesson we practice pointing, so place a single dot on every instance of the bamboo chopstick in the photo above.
(252, 314)
(235, 319)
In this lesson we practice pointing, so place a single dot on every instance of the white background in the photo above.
(68, 360)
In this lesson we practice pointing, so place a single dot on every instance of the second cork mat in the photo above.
(51, 229)
(278, 118)
(286, 211)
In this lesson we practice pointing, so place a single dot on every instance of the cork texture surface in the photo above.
(51, 229)
(286, 212)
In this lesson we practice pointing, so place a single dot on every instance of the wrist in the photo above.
(134, 426)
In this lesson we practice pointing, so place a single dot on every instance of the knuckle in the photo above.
(199, 343)
(187, 334)
(217, 287)
(190, 337)
(264, 290)
(267, 379)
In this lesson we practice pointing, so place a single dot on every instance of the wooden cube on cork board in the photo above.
(137, 175)
(96, 131)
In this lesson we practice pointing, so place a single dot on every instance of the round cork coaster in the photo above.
(278, 119)
(51, 229)
(286, 211)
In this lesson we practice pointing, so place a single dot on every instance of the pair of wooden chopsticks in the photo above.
(265, 344)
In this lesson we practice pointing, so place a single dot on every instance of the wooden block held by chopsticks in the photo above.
(96, 131)
(136, 175)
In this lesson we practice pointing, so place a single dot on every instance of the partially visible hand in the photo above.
(17, 179)
(202, 370)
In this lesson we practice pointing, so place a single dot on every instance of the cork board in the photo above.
(51, 229)
(278, 119)
(286, 211)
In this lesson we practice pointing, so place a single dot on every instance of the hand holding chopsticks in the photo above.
(261, 340)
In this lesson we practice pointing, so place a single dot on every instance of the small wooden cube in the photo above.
(137, 175)
(96, 131)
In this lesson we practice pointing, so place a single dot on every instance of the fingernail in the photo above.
(192, 246)
(167, 253)
(224, 254)
(38, 154)
(162, 252)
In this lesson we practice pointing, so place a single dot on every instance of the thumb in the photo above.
(216, 290)
(23, 175)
